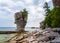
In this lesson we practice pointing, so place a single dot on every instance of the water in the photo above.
(7, 28)
(3, 37)
(31, 29)
(14, 28)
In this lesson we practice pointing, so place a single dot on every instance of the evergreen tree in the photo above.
(53, 18)
(47, 10)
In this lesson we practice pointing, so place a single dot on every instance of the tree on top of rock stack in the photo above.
(21, 19)
(25, 15)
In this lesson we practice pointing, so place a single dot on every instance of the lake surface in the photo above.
(7, 28)
(3, 37)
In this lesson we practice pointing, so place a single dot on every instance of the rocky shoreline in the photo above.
(44, 36)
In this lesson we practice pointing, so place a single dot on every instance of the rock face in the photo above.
(56, 2)
(57, 40)
(20, 21)
(44, 36)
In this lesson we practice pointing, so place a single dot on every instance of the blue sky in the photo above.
(34, 8)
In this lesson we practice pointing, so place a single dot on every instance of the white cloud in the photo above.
(35, 12)
(35, 16)
(48, 0)
(41, 2)
(20, 3)
(28, 1)
(10, 3)
(31, 9)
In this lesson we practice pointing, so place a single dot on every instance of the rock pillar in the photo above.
(20, 21)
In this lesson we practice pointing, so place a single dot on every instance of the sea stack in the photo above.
(20, 20)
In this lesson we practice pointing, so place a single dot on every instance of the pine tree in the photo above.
(47, 10)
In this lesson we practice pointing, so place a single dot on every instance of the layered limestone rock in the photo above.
(20, 21)
(44, 36)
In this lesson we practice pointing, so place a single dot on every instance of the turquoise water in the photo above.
(14, 28)
(7, 28)
(3, 37)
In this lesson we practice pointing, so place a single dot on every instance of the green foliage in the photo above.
(53, 18)
(48, 19)
(25, 13)
(47, 10)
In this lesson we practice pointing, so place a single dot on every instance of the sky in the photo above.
(34, 7)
